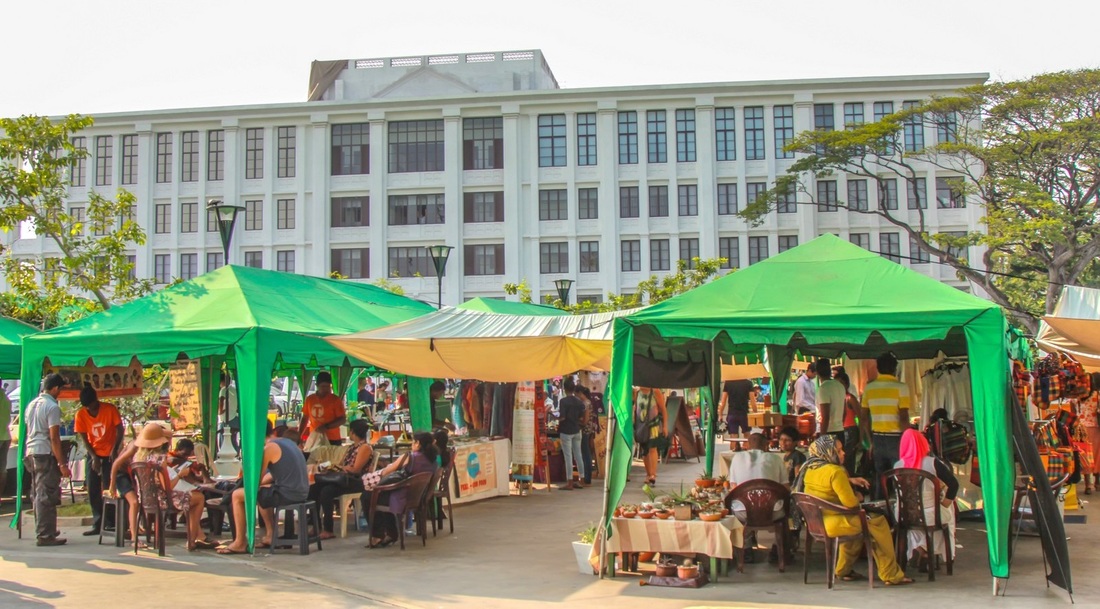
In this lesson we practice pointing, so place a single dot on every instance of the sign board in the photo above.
(108, 381)
(185, 394)
(476, 468)
(523, 431)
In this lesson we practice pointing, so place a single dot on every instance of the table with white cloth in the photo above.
(482, 468)
(719, 539)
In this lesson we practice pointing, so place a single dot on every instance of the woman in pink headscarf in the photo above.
(915, 454)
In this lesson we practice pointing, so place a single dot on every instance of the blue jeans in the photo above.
(571, 451)
(885, 449)
(586, 454)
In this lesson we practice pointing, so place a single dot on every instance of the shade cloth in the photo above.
(1074, 327)
(12, 332)
(493, 305)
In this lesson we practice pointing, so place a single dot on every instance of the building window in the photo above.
(553, 205)
(882, 110)
(947, 128)
(213, 261)
(630, 251)
(416, 146)
(916, 254)
(350, 211)
(754, 190)
(658, 201)
(660, 258)
(888, 194)
(727, 199)
(253, 153)
(588, 203)
(589, 259)
(950, 193)
(552, 140)
(284, 261)
(162, 268)
(787, 242)
(589, 298)
(162, 218)
(758, 249)
(629, 207)
(484, 259)
(656, 136)
(784, 131)
(586, 139)
(685, 136)
(410, 262)
(211, 221)
(351, 149)
(483, 143)
(253, 215)
(889, 246)
(78, 216)
(215, 155)
(729, 248)
(916, 193)
(284, 214)
(628, 138)
(406, 210)
(482, 207)
(164, 158)
(254, 259)
(129, 159)
(553, 258)
(957, 251)
(913, 128)
(824, 117)
(689, 251)
(353, 263)
(725, 133)
(78, 170)
(189, 266)
(687, 199)
(853, 115)
(189, 156)
(861, 239)
(826, 196)
(857, 195)
(189, 217)
(104, 160)
(754, 133)
(287, 142)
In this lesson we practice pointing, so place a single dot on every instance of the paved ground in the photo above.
(506, 552)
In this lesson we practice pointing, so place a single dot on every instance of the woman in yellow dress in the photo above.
(824, 477)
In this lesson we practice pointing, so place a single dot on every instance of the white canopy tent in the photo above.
(1074, 327)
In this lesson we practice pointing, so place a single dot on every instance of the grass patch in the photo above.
(73, 510)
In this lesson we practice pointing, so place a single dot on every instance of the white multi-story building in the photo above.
(483, 152)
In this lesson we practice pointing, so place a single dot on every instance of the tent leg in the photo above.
(606, 492)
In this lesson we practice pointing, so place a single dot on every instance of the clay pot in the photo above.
(629, 514)
(666, 571)
(646, 556)
(687, 572)
(645, 514)
(705, 482)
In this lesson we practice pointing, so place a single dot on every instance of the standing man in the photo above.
(365, 396)
(100, 427)
(323, 411)
(886, 404)
(44, 459)
(735, 397)
(230, 413)
(5, 438)
(830, 401)
(805, 393)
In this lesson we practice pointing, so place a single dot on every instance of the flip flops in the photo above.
(228, 550)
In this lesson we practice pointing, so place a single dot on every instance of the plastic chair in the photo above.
(153, 504)
(759, 498)
(813, 513)
(69, 449)
(441, 491)
(905, 496)
(416, 488)
(353, 501)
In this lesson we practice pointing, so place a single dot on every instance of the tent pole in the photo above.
(606, 491)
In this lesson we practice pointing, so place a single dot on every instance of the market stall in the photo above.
(254, 320)
(11, 352)
(848, 301)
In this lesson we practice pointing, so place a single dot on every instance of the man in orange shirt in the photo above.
(100, 427)
(323, 411)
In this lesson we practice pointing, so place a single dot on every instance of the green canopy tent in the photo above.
(12, 332)
(258, 319)
(493, 305)
(824, 298)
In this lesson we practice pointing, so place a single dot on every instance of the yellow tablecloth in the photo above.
(715, 539)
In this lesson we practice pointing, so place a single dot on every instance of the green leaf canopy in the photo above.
(826, 298)
(256, 318)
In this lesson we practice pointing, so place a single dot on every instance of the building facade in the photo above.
(527, 181)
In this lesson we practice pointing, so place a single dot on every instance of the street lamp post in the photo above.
(563, 286)
(226, 214)
(440, 254)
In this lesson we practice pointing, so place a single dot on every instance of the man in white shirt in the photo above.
(756, 463)
(830, 400)
(44, 459)
(805, 393)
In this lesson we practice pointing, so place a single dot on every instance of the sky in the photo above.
(96, 56)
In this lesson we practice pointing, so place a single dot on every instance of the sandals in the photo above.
(905, 581)
(227, 550)
(852, 576)
(205, 544)
(651, 480)
(381, 542)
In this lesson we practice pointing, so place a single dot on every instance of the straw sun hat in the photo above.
(151, 436)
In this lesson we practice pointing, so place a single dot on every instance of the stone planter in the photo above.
(681, 512)
(582, 552)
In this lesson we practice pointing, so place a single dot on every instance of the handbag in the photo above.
(340, 478)
(394, 477)
(642, 426)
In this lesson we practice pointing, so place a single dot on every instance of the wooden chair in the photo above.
(415, 487)
(154, 506)
(441, 491)
(813, 513)
(905, 496)
(760, 498)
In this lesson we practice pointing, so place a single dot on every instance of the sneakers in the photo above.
(51, 541)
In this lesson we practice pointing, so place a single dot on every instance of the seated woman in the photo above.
(355, 462)
(792, 457)
(421, 459)
(915, 454)
(823, 476)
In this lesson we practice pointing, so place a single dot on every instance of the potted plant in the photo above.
(583, 549)
(705, 480)
(688, 570)
(666, 567)
(682, 504)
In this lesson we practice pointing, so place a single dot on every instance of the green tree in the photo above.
(86, 266)
(1026, 151)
